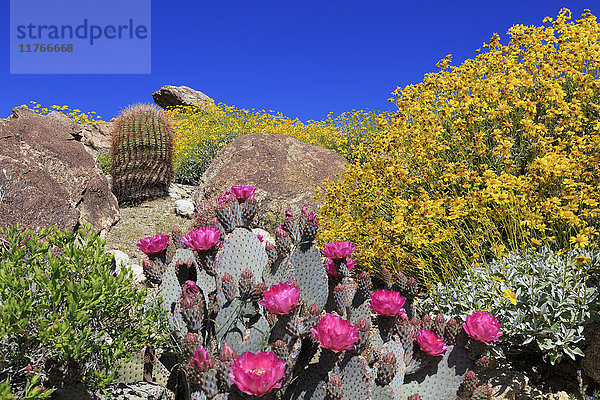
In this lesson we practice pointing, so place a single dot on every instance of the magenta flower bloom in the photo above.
(332, 270)
(257, 373)
(201, 360)
(243, 192)
(387, 302)
(281, 299)
(338, 250)
(431, 343)
(203, 238)
(154, 244)
(335, 333)
(483, 327)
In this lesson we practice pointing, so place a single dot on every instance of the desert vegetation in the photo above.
(480, 194)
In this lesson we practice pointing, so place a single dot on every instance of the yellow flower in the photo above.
(579, 241)
(580, 260)
(512, 296)
(497, 278)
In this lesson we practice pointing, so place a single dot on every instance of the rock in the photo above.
(590, 364)
(266, 236)
(185, 208)
(133, 391)
(121, 260)
(53, 180)
(96, 137)
(179, 191)
(170, 96)
(138, 273)
(285, 171)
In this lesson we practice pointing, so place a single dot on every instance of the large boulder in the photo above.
(51, 179)
(171, 96)
(285, 171)
(590, 364)
(96, 136)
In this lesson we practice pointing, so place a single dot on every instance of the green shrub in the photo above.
(542, 298)
(104, 161)
(60, 303)
(195, 161)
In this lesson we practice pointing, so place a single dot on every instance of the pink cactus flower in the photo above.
(332, 270)
(335, 333)
(483, 327)
(281, 299)
(260, 237)
(387, 302)
(225, 199)
(227, 353)
(190, 288)
(243, 192)
(431, 343)
(154, 244)
(203, 238)
(338, 250)
(257, 374)
(201, 360)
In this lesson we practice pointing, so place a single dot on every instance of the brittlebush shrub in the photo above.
(497, 154)
(75, 114)
(201, 132)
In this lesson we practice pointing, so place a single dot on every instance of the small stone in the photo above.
(138, 273)
(121, 260)
(178, 191)
(266, 236)
(185, 208)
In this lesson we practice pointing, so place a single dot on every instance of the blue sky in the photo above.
(301, 58)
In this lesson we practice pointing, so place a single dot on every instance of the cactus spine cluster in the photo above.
(141, 153)
(212, 294)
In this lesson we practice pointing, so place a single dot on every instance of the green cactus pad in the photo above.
(309, 386)
(231, 329)
(133, 371)
(309, 274)
(170, 291)
(357, 377)
(277, 272)
(241, 250)
(381, 392)
(228, 396)
(208, 383)
(359, 309)
(440, 379)
(198, 395)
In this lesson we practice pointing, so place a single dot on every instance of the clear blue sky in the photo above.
(302, 58)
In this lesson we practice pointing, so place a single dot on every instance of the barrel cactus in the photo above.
(285, 320)
(141, 153)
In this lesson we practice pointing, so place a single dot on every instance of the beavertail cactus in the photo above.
(294, 324)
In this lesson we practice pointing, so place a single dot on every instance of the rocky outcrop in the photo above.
(51, 180)
(170, 96)
(590, 364)
(285, 171)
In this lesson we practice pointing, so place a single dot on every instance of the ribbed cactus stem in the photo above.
(141, 153)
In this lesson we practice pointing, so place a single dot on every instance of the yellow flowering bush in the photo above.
(75, 114)
(497, 154)
(201, 131)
